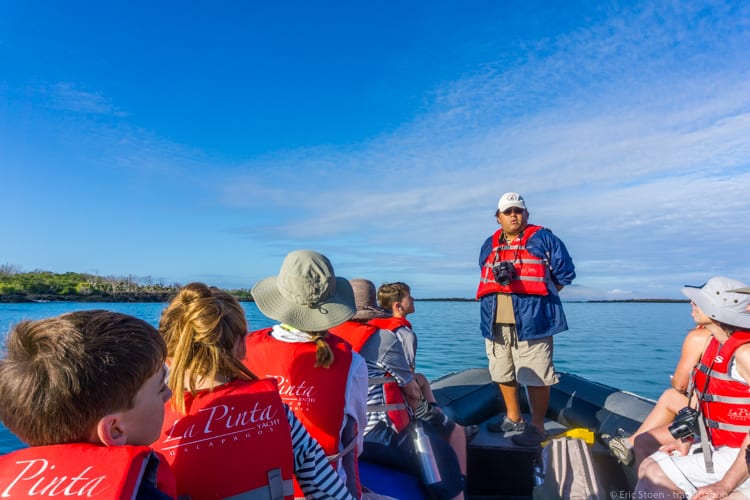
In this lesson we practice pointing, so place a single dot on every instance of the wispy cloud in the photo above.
(627, 135)
(68, 97)
(635, 136)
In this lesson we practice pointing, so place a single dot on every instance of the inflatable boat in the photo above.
(499, 469)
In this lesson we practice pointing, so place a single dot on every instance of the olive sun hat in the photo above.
(365, 298)
(306, 294)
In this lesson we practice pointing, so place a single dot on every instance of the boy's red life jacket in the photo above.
(357, 334)
(531, 273)
(724, 401)
(391, 323)
(233, 441)
(83, 470)
(317, 396)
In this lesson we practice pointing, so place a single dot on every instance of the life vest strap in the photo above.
(704, 369)
(346, 450)
(715, 398)
(385, 407)
(722, 376)
(532, 278)
(713, 424)
(276, 489)
(522, 260)
(379, 380)
(516, 278)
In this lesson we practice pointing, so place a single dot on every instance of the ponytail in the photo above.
(201, 326)
(323, 352)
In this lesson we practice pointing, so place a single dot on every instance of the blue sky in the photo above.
(204, 141)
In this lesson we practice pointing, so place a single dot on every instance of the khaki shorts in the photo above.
(529, 362)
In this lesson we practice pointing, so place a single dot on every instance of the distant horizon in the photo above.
(570, 293)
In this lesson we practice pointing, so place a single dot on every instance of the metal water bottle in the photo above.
(427, 465)
(537, 473)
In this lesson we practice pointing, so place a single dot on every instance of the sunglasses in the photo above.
(513, 210)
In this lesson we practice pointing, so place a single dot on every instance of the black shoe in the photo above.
(530, 437)
(471, 432)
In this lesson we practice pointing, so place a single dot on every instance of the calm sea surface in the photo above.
(631, 346)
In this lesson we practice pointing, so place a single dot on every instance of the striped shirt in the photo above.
(384, 354)
(315, 475)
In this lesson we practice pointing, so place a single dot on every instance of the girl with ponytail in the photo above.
(319, 376)
(226, 431)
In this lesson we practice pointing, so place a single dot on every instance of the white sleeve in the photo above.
(734, 372)
(356, 396)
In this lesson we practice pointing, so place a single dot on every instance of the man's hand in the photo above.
(716, 490)
(413, 394)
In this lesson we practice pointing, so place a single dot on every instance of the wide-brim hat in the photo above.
(365, 300)
(306, 294)
(719, 300)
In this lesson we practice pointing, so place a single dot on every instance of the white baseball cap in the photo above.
(510, 200)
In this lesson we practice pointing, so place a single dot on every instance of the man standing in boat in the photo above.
(523, 268)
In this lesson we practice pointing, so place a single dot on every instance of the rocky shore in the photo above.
(118, 297)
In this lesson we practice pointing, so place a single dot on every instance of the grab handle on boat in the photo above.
(427, 465)
(582, 433)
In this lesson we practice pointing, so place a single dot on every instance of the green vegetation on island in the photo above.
(41, 286)
(45, 286)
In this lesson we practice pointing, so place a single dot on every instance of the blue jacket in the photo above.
(536, 316)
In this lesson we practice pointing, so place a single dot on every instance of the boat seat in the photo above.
(577, 402)
(391, 482)
(468, 397)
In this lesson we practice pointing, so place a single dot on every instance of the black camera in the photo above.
(503, 272)
(685, 423)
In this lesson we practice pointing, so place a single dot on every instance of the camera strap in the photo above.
(706, 446)
(708, 459)
(504, 243)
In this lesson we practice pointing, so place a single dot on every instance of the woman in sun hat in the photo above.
(721, 383)
(320, 377)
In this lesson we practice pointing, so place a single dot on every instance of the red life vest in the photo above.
(724, 401)
(316, 395)
(391, 323)
(234, 440)
(83, 470)
(357, 334)
(531, 273)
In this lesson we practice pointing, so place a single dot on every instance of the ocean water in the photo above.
(631, 346)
